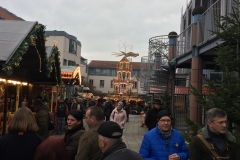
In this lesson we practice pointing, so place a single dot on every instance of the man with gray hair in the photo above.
(214, 141)
(110, 142)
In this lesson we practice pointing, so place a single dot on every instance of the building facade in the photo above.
(103, 75)
(190, 56)
(70, 49)
(68, 45)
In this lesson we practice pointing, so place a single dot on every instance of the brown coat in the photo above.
(198, 150)
(88, 148)
(71, 139)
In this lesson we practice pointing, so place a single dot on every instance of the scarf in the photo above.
(165, 134)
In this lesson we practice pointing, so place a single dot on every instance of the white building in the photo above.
(101, 74)
(70, 49)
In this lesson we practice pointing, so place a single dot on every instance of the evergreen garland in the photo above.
(54, 62)
(38, 32)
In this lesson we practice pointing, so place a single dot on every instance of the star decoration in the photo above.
(54, 42)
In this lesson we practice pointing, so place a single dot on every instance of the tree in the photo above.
(226, 95)
(165, 101)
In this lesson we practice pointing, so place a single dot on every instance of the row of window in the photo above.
(69, 63)
(109, 72)
(101, 84)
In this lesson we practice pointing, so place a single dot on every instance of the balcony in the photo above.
(205, 25)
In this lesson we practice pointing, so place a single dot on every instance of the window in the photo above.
(135, 85)
(135, 73)
(64, 62)
(91, 81)
(113, 72)
(91, 71)
(72, 46)
(111, 84)
(101, 83)
(71, 63)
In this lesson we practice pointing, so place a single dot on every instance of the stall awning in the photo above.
(71, 74)
(12, 34)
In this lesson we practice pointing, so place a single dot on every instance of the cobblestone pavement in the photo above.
(132, 134)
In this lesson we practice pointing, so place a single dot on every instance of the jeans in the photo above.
(60, 124)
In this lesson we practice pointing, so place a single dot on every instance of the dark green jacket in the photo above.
(71, 139)
(88, 148)
(42, 119)
(198, 150)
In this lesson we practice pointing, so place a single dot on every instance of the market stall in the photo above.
(23, 63)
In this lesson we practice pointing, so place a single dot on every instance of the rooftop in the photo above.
(5, 14)
(111, 64)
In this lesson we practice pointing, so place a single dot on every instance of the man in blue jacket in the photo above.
(163, 142)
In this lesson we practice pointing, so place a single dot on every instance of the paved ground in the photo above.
(132, 133)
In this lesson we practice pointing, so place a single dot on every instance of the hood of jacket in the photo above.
(43, 107)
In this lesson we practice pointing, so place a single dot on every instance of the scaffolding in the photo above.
(154, 67)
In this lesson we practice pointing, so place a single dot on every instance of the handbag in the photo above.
(51, 125)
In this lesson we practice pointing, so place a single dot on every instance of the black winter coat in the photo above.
(151, 118)
(42, 119)
(19, 145)
(71, 139)
(120, 152)
(108, 108)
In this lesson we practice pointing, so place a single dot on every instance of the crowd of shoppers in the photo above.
(28, 135)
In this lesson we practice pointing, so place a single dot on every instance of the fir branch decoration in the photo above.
(38, 32)
(54, 63)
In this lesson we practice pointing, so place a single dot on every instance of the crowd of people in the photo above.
(28, 135)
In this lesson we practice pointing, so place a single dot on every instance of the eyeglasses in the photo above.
(164, 121)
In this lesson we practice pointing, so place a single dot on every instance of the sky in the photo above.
(104, 26)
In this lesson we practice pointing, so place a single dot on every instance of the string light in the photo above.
(40, 61)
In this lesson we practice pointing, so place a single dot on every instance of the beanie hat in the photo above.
(162, 114)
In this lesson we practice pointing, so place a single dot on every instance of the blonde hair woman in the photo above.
(22, 140)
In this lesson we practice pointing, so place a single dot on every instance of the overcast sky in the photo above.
(100, 25)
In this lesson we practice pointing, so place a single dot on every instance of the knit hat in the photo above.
(110, 129)
(162, 114)
(37, 102)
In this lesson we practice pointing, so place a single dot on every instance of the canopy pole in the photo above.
(5, 109)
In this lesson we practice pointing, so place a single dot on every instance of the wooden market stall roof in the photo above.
(71, 73)
(23, 54)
